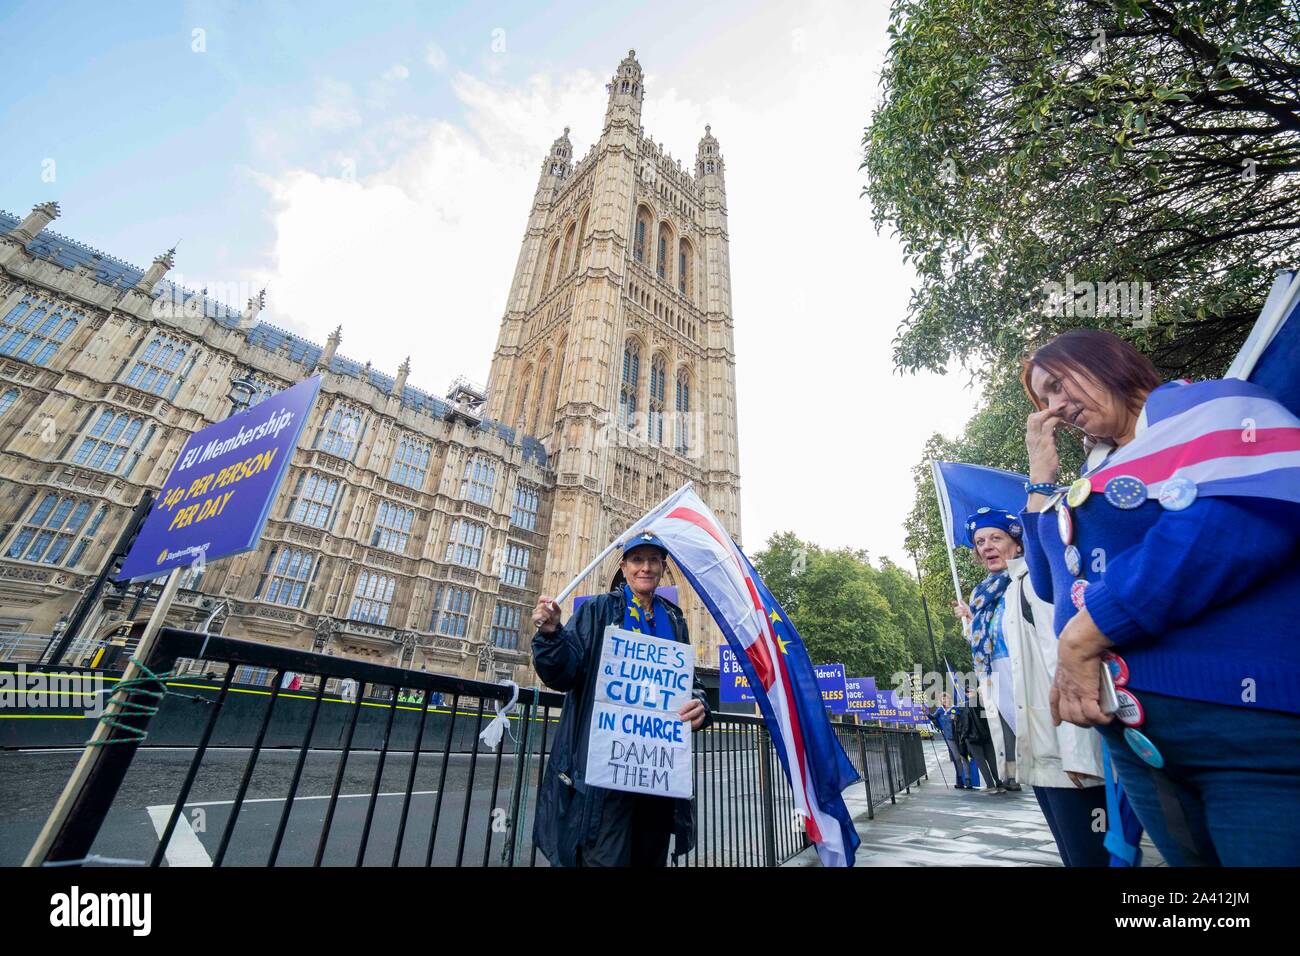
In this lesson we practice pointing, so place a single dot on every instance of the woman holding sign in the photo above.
(584, 825)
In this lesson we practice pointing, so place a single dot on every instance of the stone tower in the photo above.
(616, 344)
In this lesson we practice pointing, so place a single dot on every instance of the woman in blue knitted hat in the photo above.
(1013, 644)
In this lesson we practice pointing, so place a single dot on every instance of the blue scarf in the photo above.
(986, 619)
(656, 617)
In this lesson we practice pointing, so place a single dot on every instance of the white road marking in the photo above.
(184, 849)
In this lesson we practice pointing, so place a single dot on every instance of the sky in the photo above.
(372, 165)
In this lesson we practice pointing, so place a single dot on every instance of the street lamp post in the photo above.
(241, 394)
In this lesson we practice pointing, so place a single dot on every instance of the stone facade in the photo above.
(616, 347)
(410, 529)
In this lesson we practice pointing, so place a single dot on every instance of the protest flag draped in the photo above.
(961, 489)
(774, 660)
(1272, 351)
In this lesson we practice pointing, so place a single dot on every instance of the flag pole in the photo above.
(631, 530)
(941, 493)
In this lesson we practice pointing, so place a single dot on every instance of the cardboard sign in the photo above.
(636, 742)
(733, 685)
(830, 679)
(219, 493)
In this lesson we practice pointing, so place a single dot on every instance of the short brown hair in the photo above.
(1102, 356)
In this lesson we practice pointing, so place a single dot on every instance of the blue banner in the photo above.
(216, 499)
(733, 685)
(964, 489)
(860, 695)
(830, 681)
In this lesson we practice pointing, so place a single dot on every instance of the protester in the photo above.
(1178, 550)
(971, 730)
(942, 718)
(581, 825)
(983, 617)
(1014, 625)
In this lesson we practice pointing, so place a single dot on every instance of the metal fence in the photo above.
(396, 775)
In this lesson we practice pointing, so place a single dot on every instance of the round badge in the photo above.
(1064, 523)
(1126, 492)
(1144, 748)
(1117, 667)
(1177, 494)
(1076, 592)
(1130, 711)
(1052, 501)
(1073, 560)
(1079, 492)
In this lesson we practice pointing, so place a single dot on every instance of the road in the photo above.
(728, 807)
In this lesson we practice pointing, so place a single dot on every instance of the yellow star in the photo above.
(783, 646)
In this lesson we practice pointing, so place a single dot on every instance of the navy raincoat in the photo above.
(571, 814)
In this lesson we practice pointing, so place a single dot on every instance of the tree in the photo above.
(1021, 143)
(835, 600)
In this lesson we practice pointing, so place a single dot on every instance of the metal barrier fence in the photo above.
(396, 775)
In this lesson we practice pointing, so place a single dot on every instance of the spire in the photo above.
(331, 346)
(708, 160)
(626, 91)
(36, 220)
(403, 371)
(157, 270)
(559, 161)
(254, 308)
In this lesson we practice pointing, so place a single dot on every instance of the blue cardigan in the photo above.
(1203, 604)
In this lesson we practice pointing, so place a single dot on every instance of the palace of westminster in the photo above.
(410, 529)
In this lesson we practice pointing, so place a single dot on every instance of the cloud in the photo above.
(435, 57)
(397, 72)
(335, 107)
(415, 255)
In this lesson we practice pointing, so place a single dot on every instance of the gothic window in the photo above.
(53, 528)
(550, 267)
(514, 566)
(373, 598)
(313, 500)
(158, 369)
(628, 391)
(192, 576)
(657, 388)
(479, 481)
(565, 255)
(7, 400)
(577, 246)
(451, 608)
(524, 513)
(683, 411)
(642, 231)
(662, 265)
(33, 330)
(685, 268)
(465, 544)
(539, 423)
(340, 433)
(505, 625)
(392, 529)
(410, 463)
(522, 408)
(286, 577)
(110, 440)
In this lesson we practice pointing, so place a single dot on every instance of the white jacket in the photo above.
(1043, 752)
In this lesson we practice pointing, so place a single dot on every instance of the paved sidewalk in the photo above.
(936, 825)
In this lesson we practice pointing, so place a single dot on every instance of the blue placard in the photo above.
(887, 708)
(860, 695)
(216, 499)
(830, 680)
(733, 686)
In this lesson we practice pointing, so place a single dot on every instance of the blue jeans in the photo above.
(1071, 814)
(1233, 774)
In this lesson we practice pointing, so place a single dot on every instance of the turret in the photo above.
(626, 92)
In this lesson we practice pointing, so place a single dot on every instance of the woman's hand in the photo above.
(1076, 691)
(1040, 441)
(546, 616)
(962, 611)
(694, 712)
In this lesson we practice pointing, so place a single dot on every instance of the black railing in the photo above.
(396, 776)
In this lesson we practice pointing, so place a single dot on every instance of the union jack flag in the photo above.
(775, 661)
